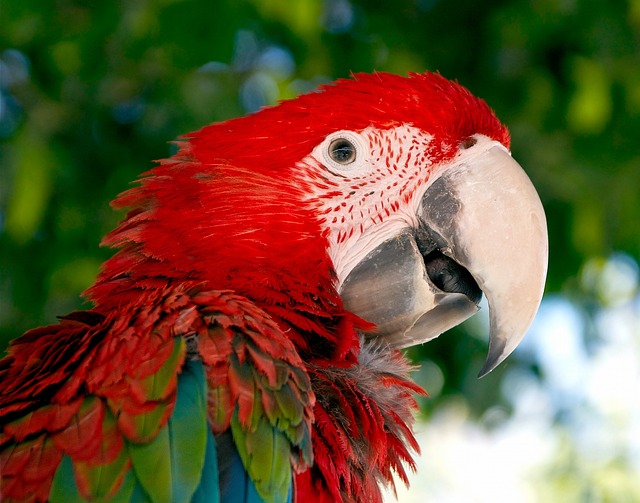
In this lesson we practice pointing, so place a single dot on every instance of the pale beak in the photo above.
(482, 230)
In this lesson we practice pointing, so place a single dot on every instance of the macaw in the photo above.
(245, 340)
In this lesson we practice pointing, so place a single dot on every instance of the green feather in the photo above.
(138, 495)
(157, 387)
(265, 453)
(126, 489)
(290, 404)
(103, 479)
(64, 488)
(158, 384)
(153, 467)
(169, 468)
(274, 458)
(147, 423)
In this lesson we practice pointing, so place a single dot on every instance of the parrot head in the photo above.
(393, 198)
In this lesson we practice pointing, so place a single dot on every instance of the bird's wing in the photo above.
(186, 395)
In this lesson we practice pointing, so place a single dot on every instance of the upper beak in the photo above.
(482, 227)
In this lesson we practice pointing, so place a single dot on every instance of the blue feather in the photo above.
(235, 484)
(209, 491)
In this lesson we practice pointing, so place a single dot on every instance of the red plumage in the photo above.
(221, 245)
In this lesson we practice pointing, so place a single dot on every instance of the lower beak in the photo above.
(482, 230)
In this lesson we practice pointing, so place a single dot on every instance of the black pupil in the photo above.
(342, 151)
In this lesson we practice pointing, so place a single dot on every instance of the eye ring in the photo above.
(342, 151)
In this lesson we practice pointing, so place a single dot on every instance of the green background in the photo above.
(93, 91)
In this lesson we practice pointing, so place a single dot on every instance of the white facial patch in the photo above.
(366, 186)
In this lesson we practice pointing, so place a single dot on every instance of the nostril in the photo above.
(468, 143)
(449, 276)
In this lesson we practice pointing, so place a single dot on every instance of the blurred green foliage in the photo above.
(92, 91)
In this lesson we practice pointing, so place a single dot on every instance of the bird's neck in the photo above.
(302, 299)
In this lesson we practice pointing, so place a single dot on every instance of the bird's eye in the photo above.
(342, 151)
